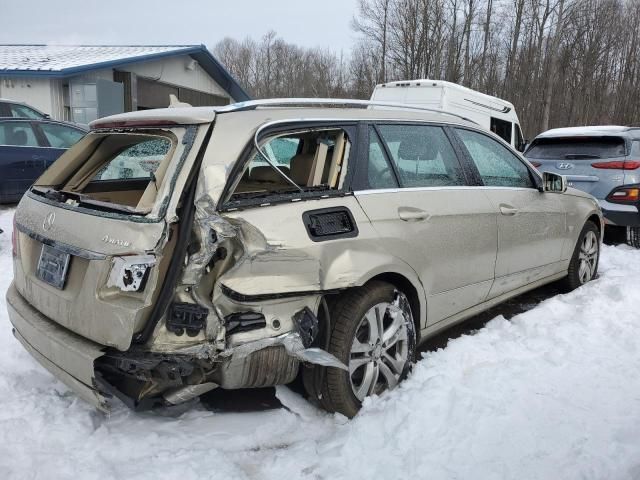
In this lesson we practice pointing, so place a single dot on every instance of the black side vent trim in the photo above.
(329, 224)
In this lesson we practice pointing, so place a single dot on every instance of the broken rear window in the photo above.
(139, 161)
(123, 171)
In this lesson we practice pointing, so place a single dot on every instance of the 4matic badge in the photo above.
(115, 241)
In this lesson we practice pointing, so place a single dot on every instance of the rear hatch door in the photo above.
(593, 164)
(78, 240)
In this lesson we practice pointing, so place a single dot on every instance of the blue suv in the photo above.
(601, 160)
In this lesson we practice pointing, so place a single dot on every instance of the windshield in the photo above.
(577, 148)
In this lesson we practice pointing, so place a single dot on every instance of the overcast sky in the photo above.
(305, 22)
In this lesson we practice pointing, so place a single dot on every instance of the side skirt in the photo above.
(436, 328)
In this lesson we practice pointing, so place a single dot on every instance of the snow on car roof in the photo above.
(584, 131)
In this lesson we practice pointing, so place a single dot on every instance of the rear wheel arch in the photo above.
(402, 283)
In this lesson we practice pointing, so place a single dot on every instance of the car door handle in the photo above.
(508, 210)
(412, 214)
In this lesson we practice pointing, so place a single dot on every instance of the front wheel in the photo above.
(584, 262)
(374, 335)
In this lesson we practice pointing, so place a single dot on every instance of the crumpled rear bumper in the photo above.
(66, 355)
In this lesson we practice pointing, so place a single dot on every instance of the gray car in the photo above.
(174, 251)
(601, 160)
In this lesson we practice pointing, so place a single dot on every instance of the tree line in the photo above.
(560, 62)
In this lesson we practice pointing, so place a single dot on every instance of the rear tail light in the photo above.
(625, 195)
(129, 273)
(618, 165)
(536, 164)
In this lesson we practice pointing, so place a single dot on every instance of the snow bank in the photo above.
(553, 393)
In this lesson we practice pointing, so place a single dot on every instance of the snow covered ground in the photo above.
(554, 393)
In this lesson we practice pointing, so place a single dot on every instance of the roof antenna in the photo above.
(175, 103)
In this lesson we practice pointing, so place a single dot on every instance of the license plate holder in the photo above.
(53, 266)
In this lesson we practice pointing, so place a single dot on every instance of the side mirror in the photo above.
(552, 182)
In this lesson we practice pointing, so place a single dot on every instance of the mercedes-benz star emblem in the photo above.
(48, 221)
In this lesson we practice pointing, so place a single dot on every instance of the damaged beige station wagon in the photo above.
(174, 251)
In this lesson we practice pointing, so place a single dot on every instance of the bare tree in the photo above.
(561, 62)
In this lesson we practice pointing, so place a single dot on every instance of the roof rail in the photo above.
(328, 102)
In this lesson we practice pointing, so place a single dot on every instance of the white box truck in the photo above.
(492, 113)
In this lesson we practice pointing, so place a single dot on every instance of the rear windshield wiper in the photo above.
(50, 194)
(110, 207)
(580, 156)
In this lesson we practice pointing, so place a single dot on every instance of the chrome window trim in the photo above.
(451, 187)
(27, 146)
(333, 102)
(360, 120)
(66, 248)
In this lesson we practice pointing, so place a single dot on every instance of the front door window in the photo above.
(497, 166)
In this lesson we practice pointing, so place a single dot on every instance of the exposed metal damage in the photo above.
(208, 340)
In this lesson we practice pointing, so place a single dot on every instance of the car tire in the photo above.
(376, 361)
(586, 255)
(633, 237)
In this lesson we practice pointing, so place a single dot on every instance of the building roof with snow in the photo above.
(59, 61)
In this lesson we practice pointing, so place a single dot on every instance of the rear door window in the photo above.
(423, 155)
(306, 160)
(60, 136)
(379, 171)
(17, 134)
(497, 166)
(577, 148)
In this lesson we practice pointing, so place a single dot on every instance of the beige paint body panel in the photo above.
(453, 247)
(280, 257)
(86, 305)
(532, 231)
(67, 356)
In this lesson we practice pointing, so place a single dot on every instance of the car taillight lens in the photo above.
(15, 247)
(625, 195)
(618, 165)
(536, 164)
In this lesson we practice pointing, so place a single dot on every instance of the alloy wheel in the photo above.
(380, 350)
(588, 257)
